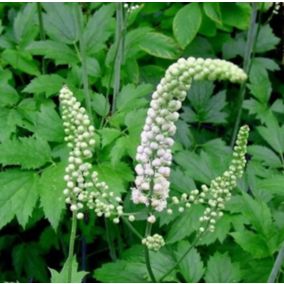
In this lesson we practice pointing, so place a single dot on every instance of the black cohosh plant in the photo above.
(84, 190)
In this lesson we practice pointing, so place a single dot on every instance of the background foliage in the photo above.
(45, 45)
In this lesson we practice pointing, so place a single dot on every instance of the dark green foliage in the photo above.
(46, 45)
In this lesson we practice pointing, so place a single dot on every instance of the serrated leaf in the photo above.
(181, 181)
(57, 51)
(48, 84)
(191, 266)
(186, 23)
(252, 243)
(8, 95)
(265, 155)
(100, 104)
(18, 196)
(48, 124)
(273, 184)
(25, 27)
(51, 193)
(109, 135)
(27, 152)
(61, 22)
(27, 260)
(62, 276)
(220, 269)
(187, 224)
(99, 28)
(260, 87)
(118, 150)
(159, 45)
(21, 60)
(266, 40)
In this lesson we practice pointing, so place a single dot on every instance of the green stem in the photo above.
(147, 254)
(277, 266)
(82, 57)
(130, 226)
(120, 53)
(71, 247)
(110, 241)
(41, 31)
(248, 55)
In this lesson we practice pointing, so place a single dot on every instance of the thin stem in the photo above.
(120, 52)
(82, 57)
(248, 55)
(277, 266)
(71, 246)
(41, 32)
(147, 254)
(109, 240)
(130, 226)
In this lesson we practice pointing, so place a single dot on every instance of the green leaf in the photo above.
(236, 14)
(48, 124)
(213, 11)
(187, 224)
(8, 95)
(21, 60)
(93, 67)
(260, 87)
(61, 22)
(27, 152)
(205, 107)
(252, 243)
(221, 269)
(99, 28)
(62, 276)
(51, 193)
(25, 27)
(48, 84)
(18, 196)
(186, 23)
(265, 155)
(57, 51)
(273, 135)
(116, 177)
(109, 135)
(27, 260)
(266, 40)
(121, 271)
(182, 181)
(191, 266)
(130, 94)
(119, 150)
(159, 45)
(100, 104)
(273, 184)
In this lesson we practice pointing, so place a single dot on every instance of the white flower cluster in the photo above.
(154, 154)
(130, 7)
(154, 242)
(221, 187)
(83, 189)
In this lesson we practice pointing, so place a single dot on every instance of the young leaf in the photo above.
(62, 276)
(18, 196)
(186, 23)
(220, 269)
(27, 152)
(51, 186)
(191, 267)
(48, 84)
